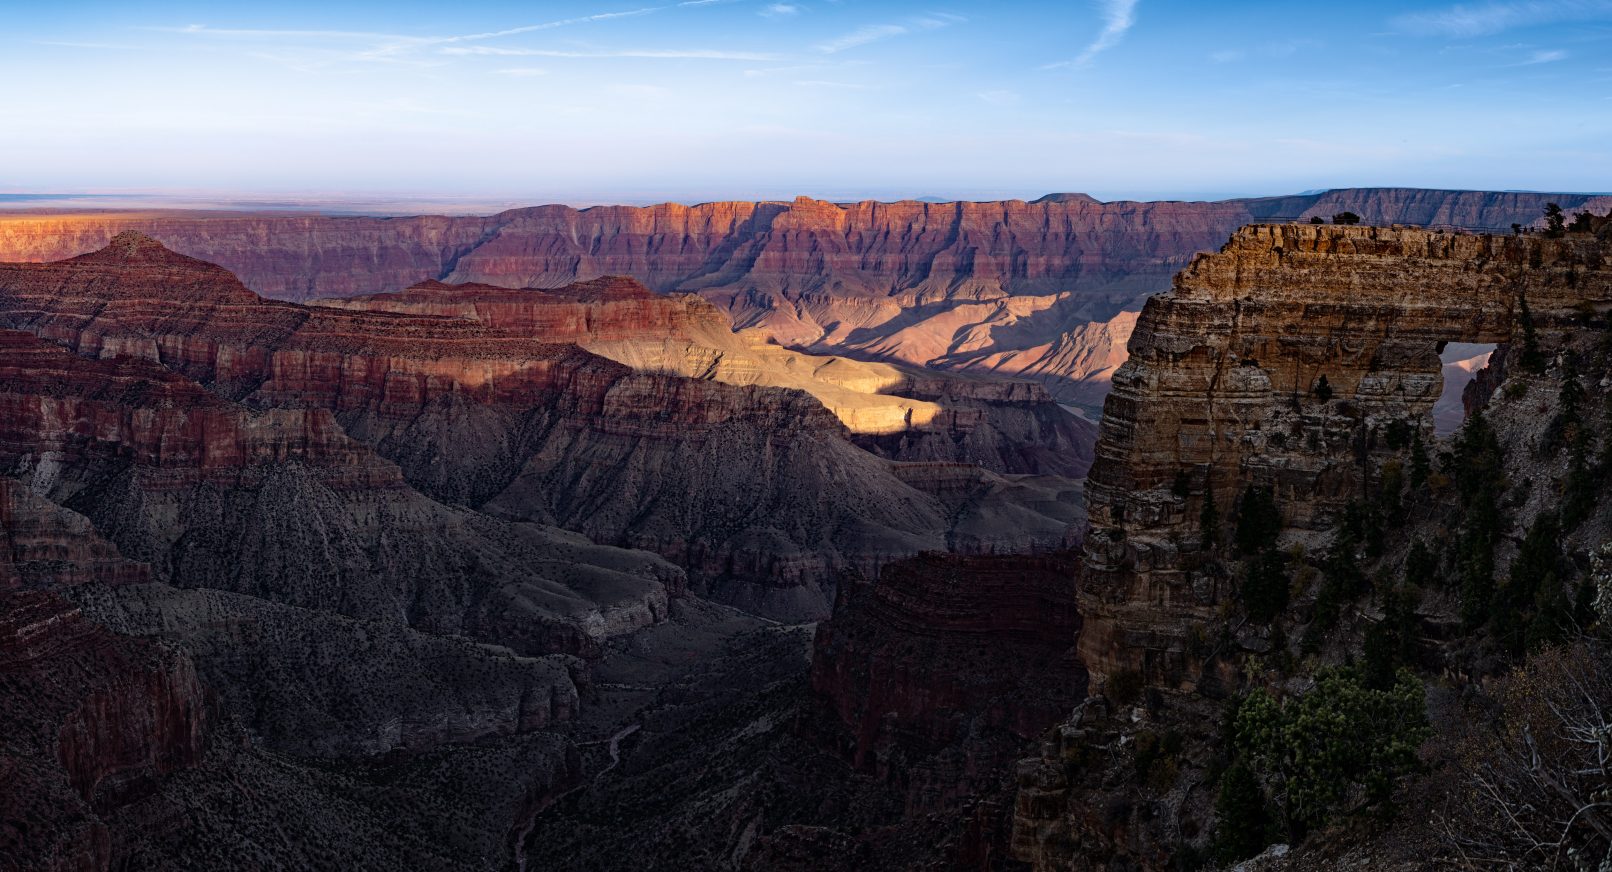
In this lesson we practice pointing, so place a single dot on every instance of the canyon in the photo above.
(511, 564)
(1044, 289)
(758, 492)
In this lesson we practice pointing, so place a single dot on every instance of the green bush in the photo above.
(1242, 815)
(1340, 745)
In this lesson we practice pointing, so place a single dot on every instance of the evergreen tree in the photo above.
(1531, 609)
(1421, 566)
(1390, 643)
(1531, 358)
(1323, 390)
(1476, 465)
(1265, 586)
(1554, 221)
(1419, 466)
(1242, 815)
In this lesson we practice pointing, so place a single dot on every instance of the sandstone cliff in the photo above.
(1221, 391)
(957, 285)
(1006, 426)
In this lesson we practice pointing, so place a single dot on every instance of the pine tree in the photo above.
(1532, 360)
(1242, 815)
(1555, 222)
(1209, 519)
(1265, 586)
(1258, 521)
(1419, 465)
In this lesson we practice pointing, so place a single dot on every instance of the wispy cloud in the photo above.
(1544, 57)
(875, 32)
(376, 46)
(1001, 97)
(780, 10)
(1468, 20)
(1226, 56)
(653, 53)
(1118, 16)
(524, 72)
(861, 36)
(825, 83)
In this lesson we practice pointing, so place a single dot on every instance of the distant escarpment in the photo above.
(905, 413)
(207, 431)
(1009, 287)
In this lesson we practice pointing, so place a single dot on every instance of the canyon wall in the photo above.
(480, 438)
(1008, 287)
(1224, 389)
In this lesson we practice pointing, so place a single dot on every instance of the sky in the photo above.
(648, 100)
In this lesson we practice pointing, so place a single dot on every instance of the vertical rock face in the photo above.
(1223, 389)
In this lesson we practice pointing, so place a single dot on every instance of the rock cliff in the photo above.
(1224, 389)
(1006, 426)
(979, 286)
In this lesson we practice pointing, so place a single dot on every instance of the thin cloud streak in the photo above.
(861, 36)
(1482, 20)
(1118, 17)
(653, 54)
(875, 32)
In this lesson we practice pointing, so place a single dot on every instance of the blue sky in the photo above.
(642, 100)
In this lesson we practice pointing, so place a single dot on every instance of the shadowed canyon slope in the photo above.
(1041, 288)
(374, 421)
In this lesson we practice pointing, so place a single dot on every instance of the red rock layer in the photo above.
(745, 484)
(948, 654)
(45, 546)
(919, 283)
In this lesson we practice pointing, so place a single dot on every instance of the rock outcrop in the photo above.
(88, 721)
(979, 286)
(1224, 388)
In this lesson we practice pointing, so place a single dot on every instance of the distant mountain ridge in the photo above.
(999, 287)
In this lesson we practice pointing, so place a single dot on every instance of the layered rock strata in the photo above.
(198, 383)
(903, 413)
(993, 286)
(1224, 388)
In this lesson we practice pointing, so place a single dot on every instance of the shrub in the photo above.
(1323, 390)
(1346, 218)
(1242, 815)
(1341, 744)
